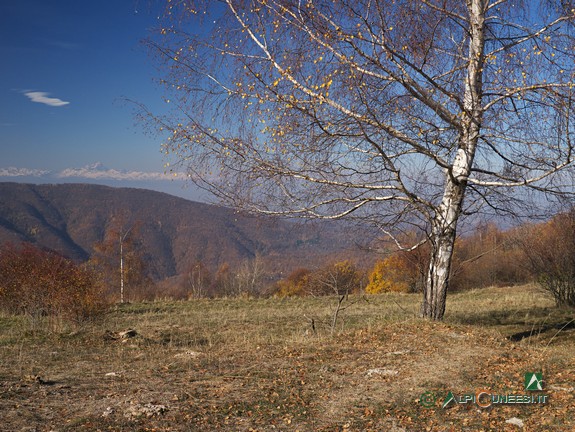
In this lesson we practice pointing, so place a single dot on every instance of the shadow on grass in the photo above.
(516, 337)
(521, 323)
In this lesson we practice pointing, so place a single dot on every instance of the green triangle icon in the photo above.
(448, 399)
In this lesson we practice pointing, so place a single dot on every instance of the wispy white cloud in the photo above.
(62, 44)
(42, 97)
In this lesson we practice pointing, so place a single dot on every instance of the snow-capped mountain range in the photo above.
(96, 171)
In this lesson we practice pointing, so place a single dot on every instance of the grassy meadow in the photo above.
(275, 364)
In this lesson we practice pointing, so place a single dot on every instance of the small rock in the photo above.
(147, 410)
(32, 378)
(456, 335)
(108, 411)
(38, 379)
(515, 421)
(191, 354)
(396, 428)
(380, 371)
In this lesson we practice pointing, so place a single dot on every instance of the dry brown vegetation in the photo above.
(36, 283)
(256, 364)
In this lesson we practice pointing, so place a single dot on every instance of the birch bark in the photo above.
(444, 225)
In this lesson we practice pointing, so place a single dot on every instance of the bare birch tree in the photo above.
(402, 113)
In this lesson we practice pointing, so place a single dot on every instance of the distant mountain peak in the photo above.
(98, 166)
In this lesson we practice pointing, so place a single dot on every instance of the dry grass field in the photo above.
(258, 365)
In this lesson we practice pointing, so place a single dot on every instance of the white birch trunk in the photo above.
(444, 225)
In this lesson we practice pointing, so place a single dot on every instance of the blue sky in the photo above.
(67, 68)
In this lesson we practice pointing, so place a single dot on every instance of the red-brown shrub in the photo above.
(550, 251)
(490, 257)
(36, 283)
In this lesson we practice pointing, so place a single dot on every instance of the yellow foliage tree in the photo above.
(392, 274)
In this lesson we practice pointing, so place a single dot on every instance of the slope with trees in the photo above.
(81, 221)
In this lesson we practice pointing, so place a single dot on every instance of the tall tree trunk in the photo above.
(442, 242)
(444, 225)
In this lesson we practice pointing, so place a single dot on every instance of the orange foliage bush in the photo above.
(339, 278)
(39, 283)
(295, 284)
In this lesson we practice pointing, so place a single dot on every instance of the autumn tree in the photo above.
(489, 257)
(224, 281)
(197, 280)
(336, 278)
(412, 113)
(392, 274)
(250, 276)
(119, 257)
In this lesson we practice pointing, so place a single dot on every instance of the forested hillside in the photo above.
(173, 233)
